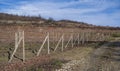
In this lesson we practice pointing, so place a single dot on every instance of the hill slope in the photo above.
(9, 19)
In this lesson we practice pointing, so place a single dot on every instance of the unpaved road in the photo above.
(104, 58)
(76, 56)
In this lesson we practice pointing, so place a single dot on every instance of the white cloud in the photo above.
(56, 10)
(50, 8)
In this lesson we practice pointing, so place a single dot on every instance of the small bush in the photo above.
(57, 63)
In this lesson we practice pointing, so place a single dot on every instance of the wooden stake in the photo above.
(61, 39)
(48, 44)
(83, 38)
(62, 42)
(42, 45)
(68, 41)
(18, 39)
(72, 41)
(23, 46)
(78, 39)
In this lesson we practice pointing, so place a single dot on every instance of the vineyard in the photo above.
(23, 46)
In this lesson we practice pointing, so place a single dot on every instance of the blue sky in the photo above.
(97, 12)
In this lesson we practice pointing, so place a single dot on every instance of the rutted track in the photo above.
(106, 58)
(80, 57)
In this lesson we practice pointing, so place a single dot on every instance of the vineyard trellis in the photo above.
(19, 37)
(46, 39)
(74, 39)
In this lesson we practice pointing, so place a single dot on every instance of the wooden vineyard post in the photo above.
(92, 36)
(83, 38)
(60, 40)
(103, 37)
(70, 39)
(109, 34)
(96, 36)
(19, 36)
(23, 47)
(78, 39)
(87, 37)
(46, 39)
(53, 38)
(16, 41)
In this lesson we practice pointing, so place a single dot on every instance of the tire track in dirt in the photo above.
(83, 54)
(106, 58)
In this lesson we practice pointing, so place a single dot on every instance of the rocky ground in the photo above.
(77, 56)
(104, 58)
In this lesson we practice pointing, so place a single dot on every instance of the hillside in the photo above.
(9, 19)
(30, 43)
(38, 26)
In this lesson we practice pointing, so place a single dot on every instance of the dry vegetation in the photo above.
(91, 55)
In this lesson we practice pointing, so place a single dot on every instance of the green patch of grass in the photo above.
(116, 35)
(3, 59)
(56, 63)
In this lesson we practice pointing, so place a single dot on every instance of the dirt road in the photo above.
(104, 58)
(76, 56)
